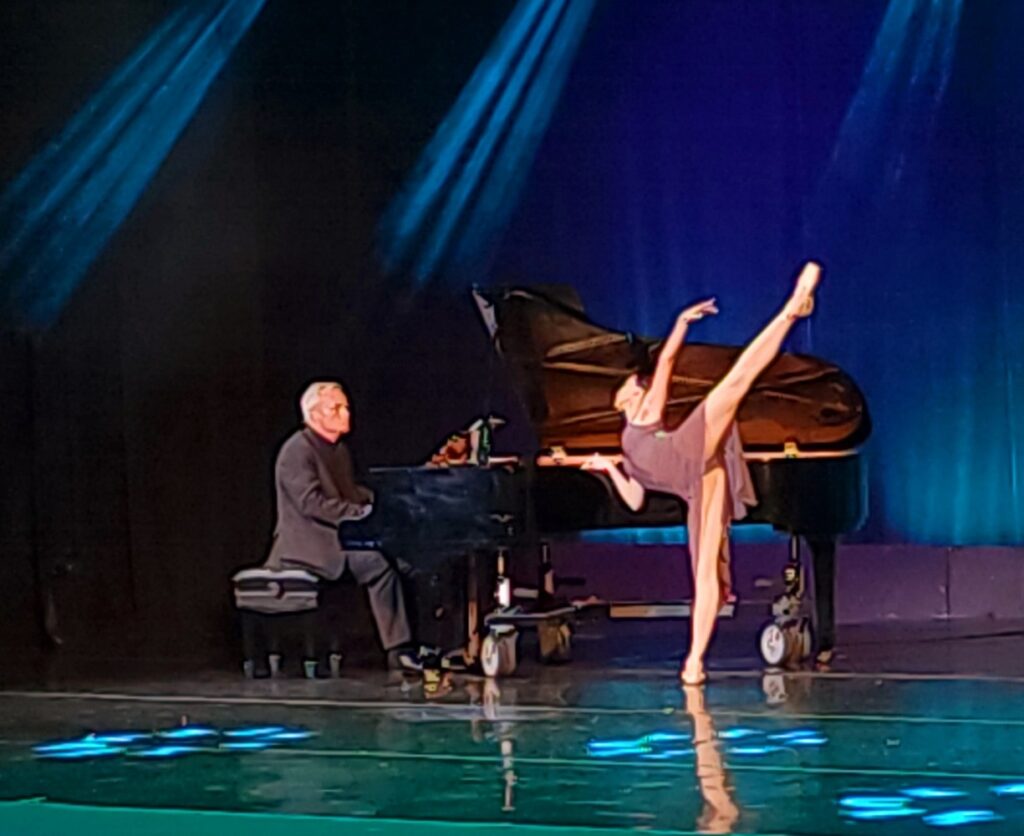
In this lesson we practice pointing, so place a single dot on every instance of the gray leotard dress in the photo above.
(672, 461)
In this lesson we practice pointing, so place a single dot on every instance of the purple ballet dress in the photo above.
(672, 461)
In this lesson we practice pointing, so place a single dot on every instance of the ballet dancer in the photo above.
(701, 460)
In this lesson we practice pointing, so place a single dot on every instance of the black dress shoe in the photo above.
(404, 659)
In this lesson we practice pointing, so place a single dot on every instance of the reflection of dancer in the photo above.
(701, 460)
(720, 812)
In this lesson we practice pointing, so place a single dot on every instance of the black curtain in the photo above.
(139, 432)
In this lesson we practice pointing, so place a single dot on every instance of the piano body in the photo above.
(801, 426)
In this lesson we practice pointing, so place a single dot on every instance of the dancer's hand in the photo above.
(599, 463)
(702, 309)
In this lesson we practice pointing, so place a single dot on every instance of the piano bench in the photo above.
(280, 610)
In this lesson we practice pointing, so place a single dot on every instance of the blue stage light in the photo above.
(59, 213)
(1009, 790)
(677, 535)
(468, 177)
(891, 115)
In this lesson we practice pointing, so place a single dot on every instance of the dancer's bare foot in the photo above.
(801, 303)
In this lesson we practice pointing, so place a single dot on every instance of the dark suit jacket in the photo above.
(311, 505)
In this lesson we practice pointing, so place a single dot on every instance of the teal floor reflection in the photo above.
(567, 750)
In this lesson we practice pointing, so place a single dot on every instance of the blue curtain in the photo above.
(707, 148)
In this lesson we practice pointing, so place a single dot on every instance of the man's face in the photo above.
(332, 412)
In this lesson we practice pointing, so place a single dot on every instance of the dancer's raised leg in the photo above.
(724, 399)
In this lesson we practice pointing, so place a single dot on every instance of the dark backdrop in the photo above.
(686, 158)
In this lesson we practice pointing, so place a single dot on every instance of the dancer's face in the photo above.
(629, 395)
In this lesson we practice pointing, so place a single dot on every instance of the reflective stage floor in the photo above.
(580, 748)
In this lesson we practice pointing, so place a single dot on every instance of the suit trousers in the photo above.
(382, 580)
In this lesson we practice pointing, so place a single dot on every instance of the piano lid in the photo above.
(566, 369)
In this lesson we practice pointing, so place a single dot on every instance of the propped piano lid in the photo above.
(566, 370)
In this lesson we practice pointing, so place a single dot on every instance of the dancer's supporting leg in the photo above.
(706, 589)
(719, 412)
(725, 568)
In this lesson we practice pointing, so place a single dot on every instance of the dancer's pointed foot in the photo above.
(693, 674)
(801, 303)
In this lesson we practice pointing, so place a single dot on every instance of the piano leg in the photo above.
(823, 556)
(472, 609)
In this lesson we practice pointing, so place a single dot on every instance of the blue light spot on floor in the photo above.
(84, 753)
(754, 750)
(872, 802)
(291, 735)
(255, 731)
(67, 746)
(933, 792)
(188, 733)
(164, 752)
(796, 734)
(883, 813)
(959, 818)
(736, 734)
(117, 737)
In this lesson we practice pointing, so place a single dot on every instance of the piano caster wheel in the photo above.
(249, 669)
(335, 663)
(309, 668)
(555, 639)
(274, 663)
(777, 644)
(498, 654)
(786, 645)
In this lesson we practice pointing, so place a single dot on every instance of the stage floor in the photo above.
(876, 746)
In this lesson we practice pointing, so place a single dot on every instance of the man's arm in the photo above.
(298, 475)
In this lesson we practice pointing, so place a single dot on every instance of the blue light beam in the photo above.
(891, 116)
(461, 193)
(57, 216)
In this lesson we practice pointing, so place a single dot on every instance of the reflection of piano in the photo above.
(801, 425)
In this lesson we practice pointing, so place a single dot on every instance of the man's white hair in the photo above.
(311, 396)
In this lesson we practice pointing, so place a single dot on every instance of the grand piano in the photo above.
(801, 426)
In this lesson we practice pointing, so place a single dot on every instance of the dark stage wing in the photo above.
(567, 369)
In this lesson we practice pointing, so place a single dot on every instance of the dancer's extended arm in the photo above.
(653, 406)
(631, 491)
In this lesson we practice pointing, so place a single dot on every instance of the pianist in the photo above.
(316, 493)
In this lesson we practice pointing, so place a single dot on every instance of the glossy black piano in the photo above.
(802, 425)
